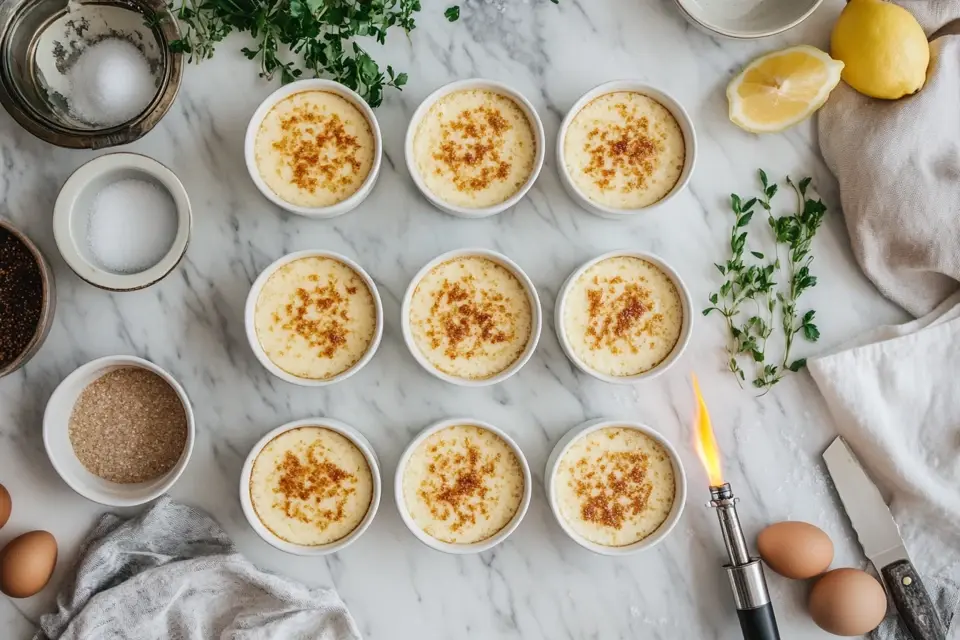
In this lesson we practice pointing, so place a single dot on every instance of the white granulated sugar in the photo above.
(110, 83)
(132, 225)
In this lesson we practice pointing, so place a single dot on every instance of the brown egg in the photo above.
(6, 505)
(795, 550)
(847, 602)
(26, 564)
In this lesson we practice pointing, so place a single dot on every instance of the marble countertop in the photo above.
(539, 584)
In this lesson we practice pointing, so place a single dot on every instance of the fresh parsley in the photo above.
(452, 13)
(319, 34)
(750, 298)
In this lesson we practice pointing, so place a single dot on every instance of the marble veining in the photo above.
(539, 584)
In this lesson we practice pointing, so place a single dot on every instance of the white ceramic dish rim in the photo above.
(250, 311)
(348, 432)
(680, 482)
(466, 85)
(676, 109)
(63, 214)
(686, 303)
(111, 363)
(313, 84)
(476, 547)
(698, 18)
(535, 324)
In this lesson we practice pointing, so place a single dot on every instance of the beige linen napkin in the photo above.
(898, 165)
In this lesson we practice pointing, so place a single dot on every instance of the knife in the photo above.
(880, 538)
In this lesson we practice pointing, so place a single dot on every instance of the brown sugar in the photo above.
(613, 488)
(467, 319)
(128, 426)
(318, 150)
(317, 314)
(472, 148)
(459, 483)
(621, 317)
(308, 483)
(631, 149)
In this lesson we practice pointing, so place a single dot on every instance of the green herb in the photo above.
(750, 299)
(452, 13)
(320, 32)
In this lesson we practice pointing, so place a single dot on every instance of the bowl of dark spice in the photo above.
(119, 430)
(27, 299)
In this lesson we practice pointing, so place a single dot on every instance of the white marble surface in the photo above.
(538, 584)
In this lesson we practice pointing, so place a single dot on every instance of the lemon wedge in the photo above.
(780, 89)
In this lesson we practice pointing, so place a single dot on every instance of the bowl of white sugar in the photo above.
(88, 75)
(122, 221)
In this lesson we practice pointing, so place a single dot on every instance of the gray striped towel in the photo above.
(172, 573)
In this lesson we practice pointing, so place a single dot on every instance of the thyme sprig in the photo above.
(749, 299)
(318, 33)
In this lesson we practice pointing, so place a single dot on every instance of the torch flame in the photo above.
(705, 441)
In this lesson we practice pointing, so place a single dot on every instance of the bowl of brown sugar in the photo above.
(119, 430)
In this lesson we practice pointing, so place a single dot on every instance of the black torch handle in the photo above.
(759, 623)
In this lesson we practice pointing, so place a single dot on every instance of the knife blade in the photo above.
(880, 538)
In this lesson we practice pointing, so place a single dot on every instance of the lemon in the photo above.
(883, 48)
(780, 89)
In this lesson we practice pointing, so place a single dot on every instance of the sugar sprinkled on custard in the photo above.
(615, 486)
(315, 317)
(463, 484)
(474, 148)
(624, 150)
(471, 317)
(623, 316)
(314, 149)
(311, 486)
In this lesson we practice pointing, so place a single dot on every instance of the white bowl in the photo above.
(286, 91)
(747, 19)
(467, 85)
(250, 311)
(71, 218)
(358, 441)
(56, 437)
(686, 305)
(535, 321)
(447, 547)
(675, 109)
(679, 498)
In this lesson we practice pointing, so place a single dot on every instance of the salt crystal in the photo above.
(110, 83)
(132, 225)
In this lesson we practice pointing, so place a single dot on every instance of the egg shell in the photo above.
(847, 602)
(6, 505)
(795, 550)
(26, 564)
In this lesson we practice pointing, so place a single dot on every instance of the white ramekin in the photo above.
(671, 104)
(250, 312)
(679, 499)
(466, 85)
(686, 305)
(447, 547)
(776, 17)
(358, 441)
(536, 320)
(314, 84)
(56, 437)
(71, 214)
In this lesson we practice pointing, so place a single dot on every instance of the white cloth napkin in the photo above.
(895, 397)
(172, 573)
(898, 166)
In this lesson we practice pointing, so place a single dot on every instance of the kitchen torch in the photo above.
(750, 595)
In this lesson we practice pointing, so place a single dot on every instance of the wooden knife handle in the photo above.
(912, 601)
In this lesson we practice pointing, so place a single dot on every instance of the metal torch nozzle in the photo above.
(745, 573)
